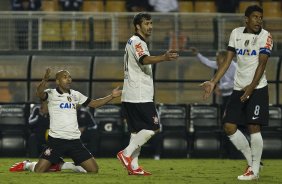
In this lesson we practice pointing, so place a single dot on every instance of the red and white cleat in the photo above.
(126, 161)
(248, 175)
(18, 167)
(139, 171)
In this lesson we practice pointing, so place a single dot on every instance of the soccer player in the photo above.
(64, 134)
(226, 83)
(138, 90)
(249, 100)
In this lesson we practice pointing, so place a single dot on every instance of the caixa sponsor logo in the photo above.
(246, 52)
(67, 106)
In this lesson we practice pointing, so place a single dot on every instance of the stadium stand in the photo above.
(50, 5)
(14, 67)
(13, 130)
(93, 6)
(115, 6)
(51, 31)
(244, 4)
(114, 76)
(272, 8)
(111, 130)
(204, 127)
(75, 31)
(173, 119)
(272, 134)
(186, 6)
(205, 6)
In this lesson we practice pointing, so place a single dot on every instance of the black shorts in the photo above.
(57, 148)
(253, 111)
(140, 116)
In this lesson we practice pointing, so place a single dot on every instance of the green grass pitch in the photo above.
(165, 171)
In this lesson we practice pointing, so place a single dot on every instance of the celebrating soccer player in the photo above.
(64, 134)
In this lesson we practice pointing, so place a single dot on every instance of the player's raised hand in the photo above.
(47, 74)
(171, 55)
(208, 87)
(116, 92)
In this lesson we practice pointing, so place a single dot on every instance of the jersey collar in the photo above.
(59, 91)
(136, 34)
(257, 33)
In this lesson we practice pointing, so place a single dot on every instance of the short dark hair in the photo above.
(138, 18)
(253, 8)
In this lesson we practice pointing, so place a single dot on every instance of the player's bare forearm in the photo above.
(168, 56)
(42, 85)
(260, 70)
(100, 101)
(40, 89)
(153, 59)
(223, 67)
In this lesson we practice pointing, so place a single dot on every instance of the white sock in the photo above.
(30, 166)
(137, 141)
(135, 154)
(242, 144)
(256, 147)
(71, 166)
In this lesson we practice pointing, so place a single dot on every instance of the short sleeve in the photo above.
(81, 98)
(232, 39)
(266, 44)
(49, 94)
(140, 49)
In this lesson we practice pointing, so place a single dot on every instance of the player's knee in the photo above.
(253, 128)
(229, 128)
(94, 171)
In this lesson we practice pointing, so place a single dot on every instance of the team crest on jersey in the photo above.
(156, 119)
(254, 40)
(247, 43)
(69, 98)
(74, 97)
(48, 151)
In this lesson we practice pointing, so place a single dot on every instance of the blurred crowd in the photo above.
(223, 6)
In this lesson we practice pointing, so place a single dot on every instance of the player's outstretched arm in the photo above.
(223, 67)
(208, 86)
(170, 55)
(102, 101)
(42, 85)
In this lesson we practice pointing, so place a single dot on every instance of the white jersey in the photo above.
(138, 84)
(63, 113)
(248, 46)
